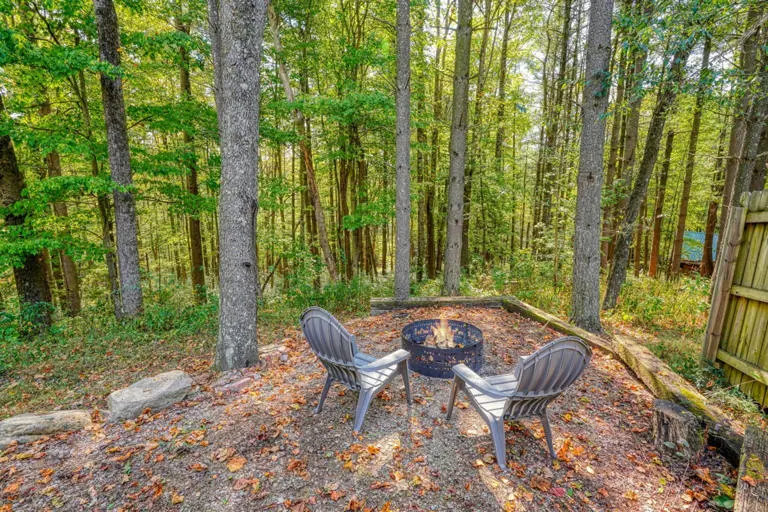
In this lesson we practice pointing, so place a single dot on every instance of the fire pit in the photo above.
(437, 345)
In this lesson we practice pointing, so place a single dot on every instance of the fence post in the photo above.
(721, 287)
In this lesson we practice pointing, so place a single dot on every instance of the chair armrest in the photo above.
(387, 361)
(469, 377)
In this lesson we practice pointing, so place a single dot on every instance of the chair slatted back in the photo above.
(546, 374)
(332, 344)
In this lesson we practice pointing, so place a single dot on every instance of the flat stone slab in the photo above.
(156, 393)
(29, 427)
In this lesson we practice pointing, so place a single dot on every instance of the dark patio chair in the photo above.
(527, 391)
(337, 350)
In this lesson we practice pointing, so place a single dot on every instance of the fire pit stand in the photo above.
(433, 361)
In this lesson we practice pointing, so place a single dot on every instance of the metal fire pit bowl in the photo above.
(437, 362)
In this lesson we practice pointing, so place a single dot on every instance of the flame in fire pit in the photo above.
(442, 334)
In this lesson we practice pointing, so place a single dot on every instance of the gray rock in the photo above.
(156, 393)
(29, 427)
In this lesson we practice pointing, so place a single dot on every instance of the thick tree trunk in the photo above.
(665, 99)
(237, 30)
(30, 272)
(585, 299)
(458, 150)
(403, 152)
(119, 160)
(193, 220)
(658, 211)
(677, 248)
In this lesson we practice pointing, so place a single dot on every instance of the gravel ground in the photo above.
(262, 448)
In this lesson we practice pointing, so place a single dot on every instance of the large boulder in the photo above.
(156, 393)
(28, 427)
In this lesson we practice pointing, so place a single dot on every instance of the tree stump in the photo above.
(676, 428)
(752, 488)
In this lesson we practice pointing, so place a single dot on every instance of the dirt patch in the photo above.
(263, 449)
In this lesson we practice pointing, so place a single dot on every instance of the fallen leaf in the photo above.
(236, 463)
(540, 483)
(176, 498)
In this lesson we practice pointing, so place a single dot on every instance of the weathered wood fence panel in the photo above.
(737, 330)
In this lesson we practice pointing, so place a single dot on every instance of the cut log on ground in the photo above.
(676, 429)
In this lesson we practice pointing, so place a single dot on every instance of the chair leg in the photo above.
(548, 433)
(452, 399)
(406, 381)
(363, 401)
(324, 394)
(499, 442)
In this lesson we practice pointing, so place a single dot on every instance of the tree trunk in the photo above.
(119, 160)
(458, 150)
(237, 30)
(747, 65)
(403, 152)
(613, 158)
(429, 201)
(677, 248)
(585, 298)
(71, 280)
(474, 147)
(193, 220)
(665, 99)
(102, 200)
(658, 211)
(707, 262)
(761, 161)
(306, 151)
(29, 270)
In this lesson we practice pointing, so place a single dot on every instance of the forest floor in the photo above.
(263, 449)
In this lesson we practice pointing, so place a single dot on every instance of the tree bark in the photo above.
(30, 273)
(458, 150)
(665, 99)
(237, 30)
(677, 248)
(585, 298)
(658, 211)
(403, 152)
(119, 159)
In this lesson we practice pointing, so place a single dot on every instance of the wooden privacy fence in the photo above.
(737, 330)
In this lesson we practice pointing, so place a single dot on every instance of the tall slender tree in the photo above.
(403, 151)
(658, 211)
(193, 220)
(585, 299)
(119, 159)
(673, 75)
(690, 163)
(237, 31)
(458, 150)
